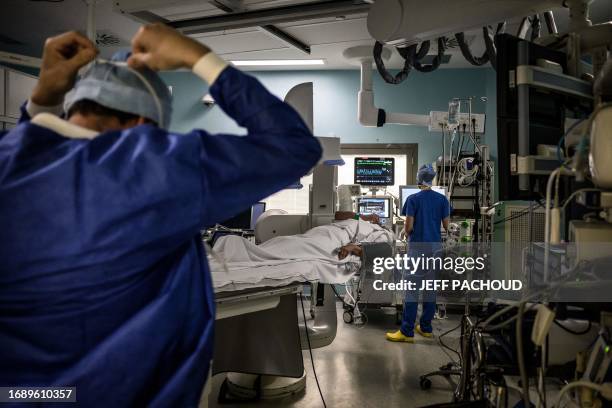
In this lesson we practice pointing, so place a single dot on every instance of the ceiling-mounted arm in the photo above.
(371, 116)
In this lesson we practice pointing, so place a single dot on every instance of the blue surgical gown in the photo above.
(104, 283)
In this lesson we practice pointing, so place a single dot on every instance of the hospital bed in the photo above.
(258, 332)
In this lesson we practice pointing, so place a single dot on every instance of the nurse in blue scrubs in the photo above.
(104, 283)
(425, 211)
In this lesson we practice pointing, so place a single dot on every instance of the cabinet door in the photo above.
(18, 89)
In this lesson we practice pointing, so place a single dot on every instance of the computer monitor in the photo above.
(242, 220)
(246, 219)
(374, 171)
(380, 206)
(256, 211)
(406, 191)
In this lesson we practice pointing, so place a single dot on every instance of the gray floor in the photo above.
(361, 369)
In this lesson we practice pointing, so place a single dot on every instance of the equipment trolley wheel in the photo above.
(347, 316)
(425, 383)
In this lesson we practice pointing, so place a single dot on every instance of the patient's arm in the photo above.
(349, 215)
(350, 249)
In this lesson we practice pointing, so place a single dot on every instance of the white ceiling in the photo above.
(30, 22)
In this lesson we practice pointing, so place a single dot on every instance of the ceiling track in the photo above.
(270, 29)
(271, 16)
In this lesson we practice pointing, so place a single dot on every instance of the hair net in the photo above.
(426, 174)
(114, 85)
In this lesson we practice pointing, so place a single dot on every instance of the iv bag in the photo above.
(453, 113)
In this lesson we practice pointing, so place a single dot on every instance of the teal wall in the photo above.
(335, 103)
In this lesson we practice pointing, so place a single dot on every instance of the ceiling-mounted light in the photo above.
(269, 63)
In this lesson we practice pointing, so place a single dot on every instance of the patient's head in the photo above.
(111, 96)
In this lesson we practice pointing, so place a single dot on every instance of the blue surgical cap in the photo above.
(118, 87)
(426, 174)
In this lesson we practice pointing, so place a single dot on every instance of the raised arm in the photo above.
(236, 170)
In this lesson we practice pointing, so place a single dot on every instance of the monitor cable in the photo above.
(314, 371)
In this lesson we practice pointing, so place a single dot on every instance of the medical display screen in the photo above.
(256, 211)
(373, 205)
(407, 191)
(374, 171)
(246, 219)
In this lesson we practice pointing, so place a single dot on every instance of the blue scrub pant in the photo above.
(410, 311)
(411, 304)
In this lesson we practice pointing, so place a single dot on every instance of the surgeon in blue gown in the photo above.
(104, 283)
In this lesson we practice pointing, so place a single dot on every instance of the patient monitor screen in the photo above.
(374, 171)
(373, 205)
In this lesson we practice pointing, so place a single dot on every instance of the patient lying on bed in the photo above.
(329, 254)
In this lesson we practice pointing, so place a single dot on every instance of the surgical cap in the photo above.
(425, 175)
(118, 87)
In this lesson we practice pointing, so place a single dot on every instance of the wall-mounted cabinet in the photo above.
(15, 89)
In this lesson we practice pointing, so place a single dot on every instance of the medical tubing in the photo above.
(467, 53)
(310, 351)
(407, 52)
(523, 27)
(535, 27)
(549, 18)
(568, 275)
(547, 211)
(436, 61)
(380, 66)
(443, 156)
(575, 384)
(574, 332)
(490, 44)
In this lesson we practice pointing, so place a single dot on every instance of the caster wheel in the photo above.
(425, 383)
(347, 317)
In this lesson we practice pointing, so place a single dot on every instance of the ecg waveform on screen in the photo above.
(372, 172)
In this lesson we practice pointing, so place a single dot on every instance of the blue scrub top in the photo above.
(104, 283)
(428, 208)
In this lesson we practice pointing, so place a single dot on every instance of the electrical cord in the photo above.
(442, 344)
(337, 295)
(520, 356)
(518, 215)
(559, 158)
(310, 351)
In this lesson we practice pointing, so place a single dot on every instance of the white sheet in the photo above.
(296, 258)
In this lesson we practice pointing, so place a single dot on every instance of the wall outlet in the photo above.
(438, 119)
